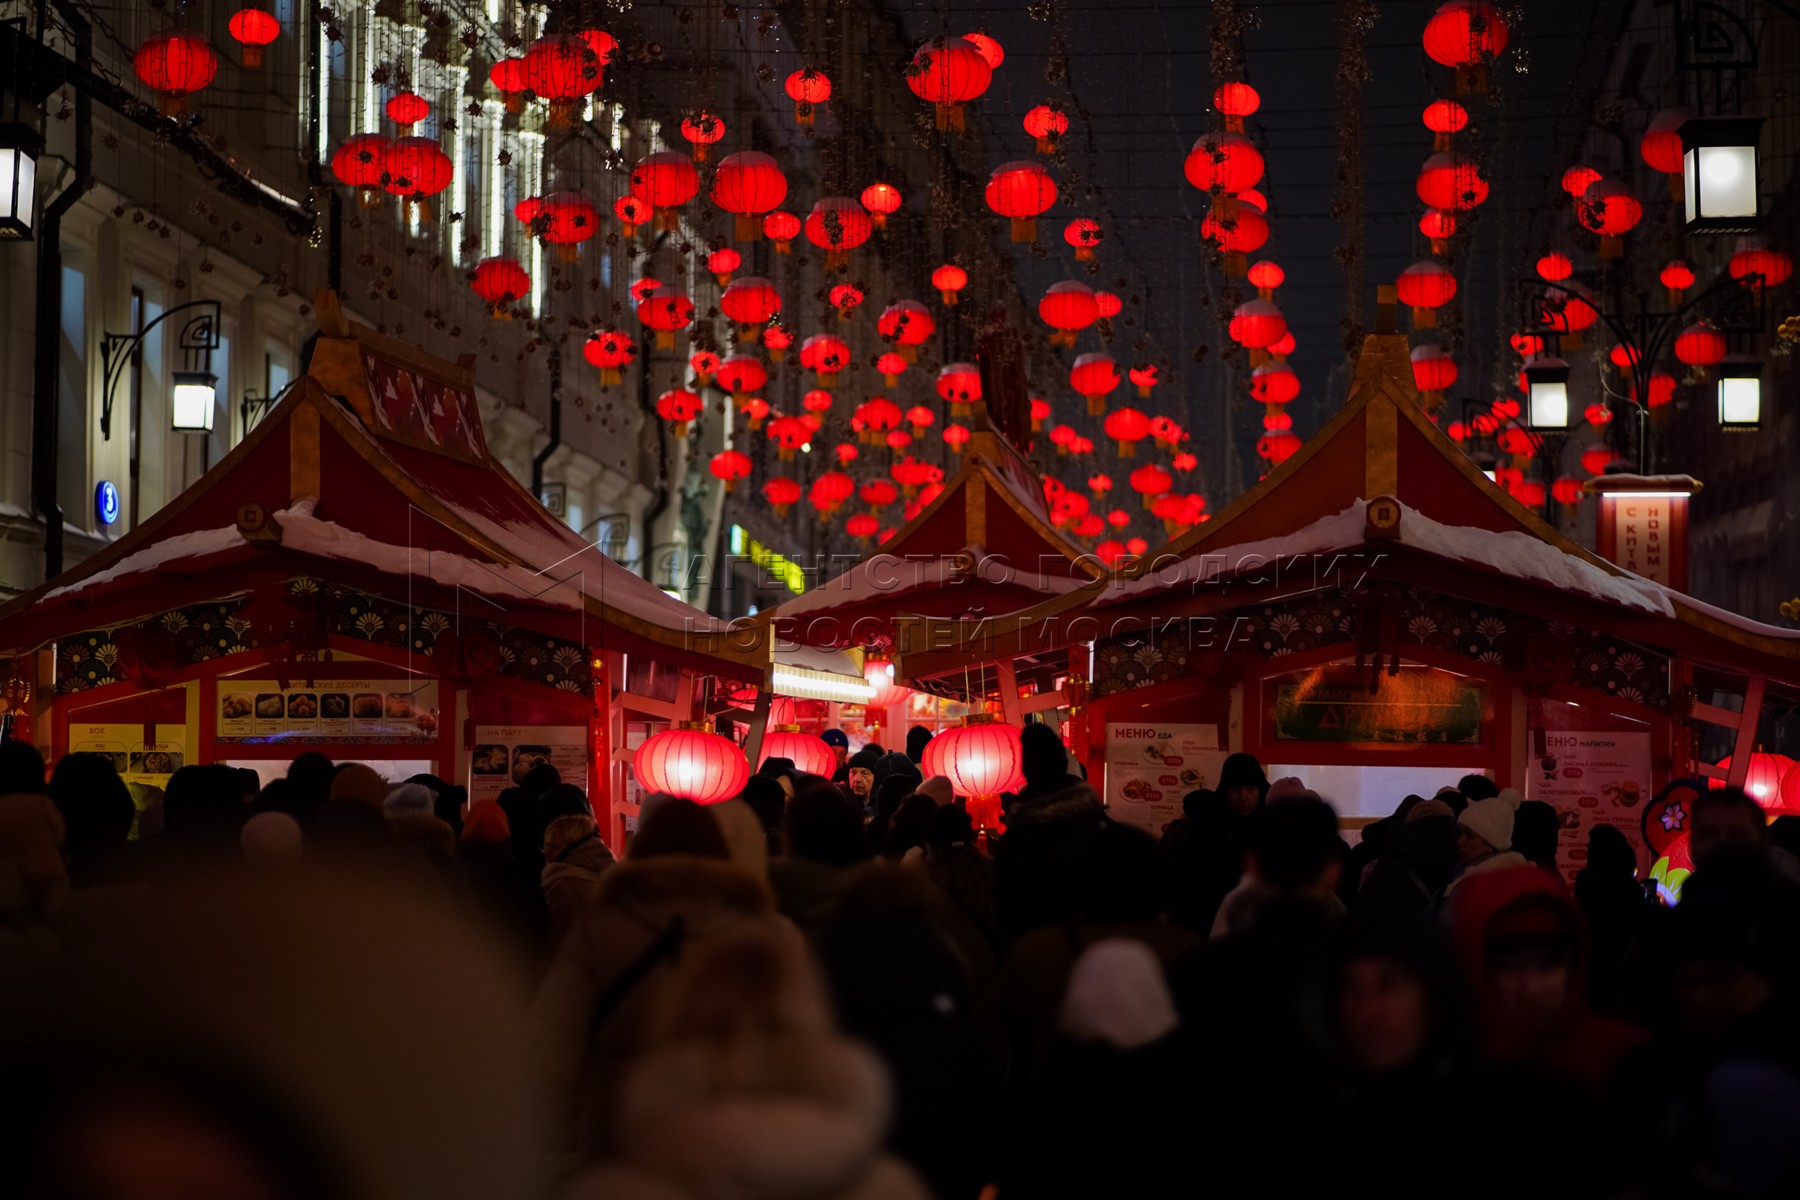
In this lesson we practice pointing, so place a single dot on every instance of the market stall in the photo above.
(360, 577)
(1378, 618)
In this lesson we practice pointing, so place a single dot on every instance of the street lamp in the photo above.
(1718, 174)
(1740, 392)
(19, 150)
(192, 401)
(1547, 393)
(195, 389)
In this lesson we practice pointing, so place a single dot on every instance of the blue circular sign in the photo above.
(106, 502)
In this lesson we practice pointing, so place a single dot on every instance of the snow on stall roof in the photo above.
(890, 576)
(170, 550)
(1727, 617)
(815, 658)
(1513, 553)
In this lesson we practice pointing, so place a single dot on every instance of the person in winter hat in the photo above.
(1242, 784)
(895, 766)
(1044, 761)
(358, 783)
(1484, 838)
(839, 741)
(574, 860)
(859, 777)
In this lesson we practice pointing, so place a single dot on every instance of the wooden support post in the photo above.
(759, 719)
(1009, 692)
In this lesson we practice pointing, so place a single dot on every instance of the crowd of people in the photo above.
(335, 985)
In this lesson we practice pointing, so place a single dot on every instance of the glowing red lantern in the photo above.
(751, 302)
(1763, 781)
(1756, 266)
(1443, 118)
(631, 212)
(1596, 458)
(705, 364)
(1150, 482)
(1256, 324)
(691, 763)
(1677, 277)
(1661, 143)
(1095, 376)
(959, 386)
(702, 129)
(416, 168)
(789, 434)
(838, 225)
(878, 494)
(1110, 552)
(1555, 267)
(920, 418)
(666, 310)
(611, 350)
(1021, 191)
(1599, 415)
(1568, 313)
(1439, 226)
(755, 408)
(1467, 35)
(508, 78)
(1265, 277)
(1062, 437)
(990, 50)
(862, 527)
(407, 109)
(175, 65)
(807, 88)
(1451, 181)
(1425, 287)
(846, 297)
(359, 163)
(563, 220)
(1236, 101)
(1700, 345)
(1127, 427)
(1274, 383)
(253, 28)
(881, 200)
(742, 374)
(1567, 491)
(722, 262)
(824, 355)
(1660, 390)
(1143, 377)
(1040, 412)
(1277, 447)
(1046, 123)
(665, 181)
(1083, 233)
(907, 324)
(732, 466)
(949, 279)
(956, 437)
(1223, 162)
(886, 691)
(678, 407)
(948, 72)
(830, 490)
(891, 365)
(982, 760)
(1237, 232)
(1068, 307)
(1578, 179)
(749, 185)
(1434, 372)
(776, 340)
(562, 70)
(501, 282)
(1609, 209)
(781, 228)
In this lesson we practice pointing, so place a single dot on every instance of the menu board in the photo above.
(1592, 778)
(1149, 768)
(136, 760)
(504, 754)
(391, 711)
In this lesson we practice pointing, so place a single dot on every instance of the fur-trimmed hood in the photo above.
(675, 882)
(807, 1119)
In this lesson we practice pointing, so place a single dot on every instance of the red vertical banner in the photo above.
(600, 797)
(1643, 525)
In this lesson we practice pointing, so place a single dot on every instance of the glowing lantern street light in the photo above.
(1763, 781)
(1547, 393)
(693, 763)
(882, 200)
(1718, 174)
(1740, 392)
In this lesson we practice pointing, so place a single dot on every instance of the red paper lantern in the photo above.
(705, 364)
(1277, 447)
(1763, 781)
(253, 28)
(781, 228)
(691, 763)
(1265, 277)
(776, 340)
(1567, 490)
(1438, 226)
(1609, 209)
(982, 760)
(862, 527)
(416, 168)
(359, 163)
(1084, 233)
(175, 65)
(632, 212)
(1236, 101)
(1240, 232)
(990, 50)
(825, 355)
(563, 220)
(407, 109)
(562, 70)
(948, 72)
(1040, 412)
(1068, 307)
(949, 279)
(508, 78)
(1578, 179)
(1062, 437)
(956, 437)
(751, 302)
(755, 408)
(611, 350)
(1526, 345)
(830, 490)
(810, 755)
(1753, 259)
(1094, 376)
(882, 200)
(782, 494)
(1046, 123)
(878, 493)
(666, 310)
(846, 297)
(1566, 313)
(1256, 324)
(1661, 143)
(1700, 345)
(1425, 287)
(731, 466)
(742, 374)
(702, 129)
(1434, 372)
(959, 386)
(1144, 378)
(886, 691)
(1451, 181)
(1021, 191)
(749, 185)
(1283, 345)
(643, 287)
(891, 365)
(501, 282)
(678, 407)
(665, 181)
(907, 324)
(1150, 482)
(1598, 415)
(789, 434)
(1467, 35)
(1110, 552)
(1127, 427)
(838, 225)
(1555, 267)
(1660, 390)
(1274, 383)
(1677, 276)
(1596, 458)
(807, 88)
(1443, 118)
(1223, 162)
(722, 262)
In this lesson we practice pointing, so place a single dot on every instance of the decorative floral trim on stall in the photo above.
(1580, 657)
(200, 632)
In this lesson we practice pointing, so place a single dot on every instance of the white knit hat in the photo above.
(1117, 995)
(1491, 820)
